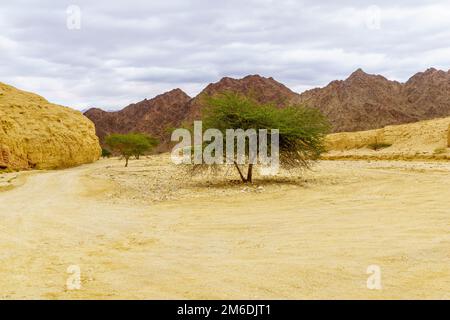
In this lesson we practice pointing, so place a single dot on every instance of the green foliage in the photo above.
(301, 129)
(378, 146)
(106, 153)
(132, 144)
(143, 144)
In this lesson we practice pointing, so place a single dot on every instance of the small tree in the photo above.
(301, 129)
(106, 153)
(144, 143)
(132, 144)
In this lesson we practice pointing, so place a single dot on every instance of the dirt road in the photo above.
(310, 240)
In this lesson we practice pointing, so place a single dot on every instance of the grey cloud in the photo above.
(128, 51)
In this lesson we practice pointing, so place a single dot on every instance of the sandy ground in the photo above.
(152, 231)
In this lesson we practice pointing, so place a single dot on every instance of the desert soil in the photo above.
(153, 231)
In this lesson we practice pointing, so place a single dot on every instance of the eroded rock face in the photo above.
(37, 134)
(364, 101)
(428, 93)
(155, 116)
(264, 90)
(5, 156)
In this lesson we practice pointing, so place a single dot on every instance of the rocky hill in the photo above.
(364, 101)
(37, 134)
(360, 102)
(154, 116)
(171, 109)
(427, 94)
(264, 90)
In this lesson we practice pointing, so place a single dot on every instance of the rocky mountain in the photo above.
(154, 116)
(428, 93)
(364, 101)
(264, 90)
(171, 109)
(360, 102)
(37, 134)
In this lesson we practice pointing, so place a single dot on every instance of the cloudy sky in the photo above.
(108, 54)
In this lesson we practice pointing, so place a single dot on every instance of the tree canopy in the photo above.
(301, 129)
(132, 144)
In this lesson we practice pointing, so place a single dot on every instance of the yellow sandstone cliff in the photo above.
(420, 140)
(37, 134)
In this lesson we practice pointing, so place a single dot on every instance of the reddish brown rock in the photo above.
(428, 94)
(360, 102)
(155, 116)
(264, 90)
(364, 101)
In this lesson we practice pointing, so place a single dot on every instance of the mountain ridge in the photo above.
(362, 101)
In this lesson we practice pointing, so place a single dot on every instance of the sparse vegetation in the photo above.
(301, 130)
(5, 170)
(106, 153)
(133, 144)
(440, 150)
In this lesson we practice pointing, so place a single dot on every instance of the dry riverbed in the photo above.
(155, 231)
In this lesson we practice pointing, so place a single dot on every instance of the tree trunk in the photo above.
(126, 161)
(137, 156)
(250, 173)
(240, 172)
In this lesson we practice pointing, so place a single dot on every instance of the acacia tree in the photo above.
(144, 143)
(132, 144)
(301, 129)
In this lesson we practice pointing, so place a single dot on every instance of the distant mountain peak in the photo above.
(93, 110)
(431, 70)
(255, 77)
(248, 78)
(172, 94)
(360, 74)
(177, 91)
(263, 89)
(431, 74)
(359, 71)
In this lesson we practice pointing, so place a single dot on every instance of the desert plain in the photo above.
(154, 231)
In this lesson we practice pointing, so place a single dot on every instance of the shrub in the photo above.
(106, 153)
(440, 150)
